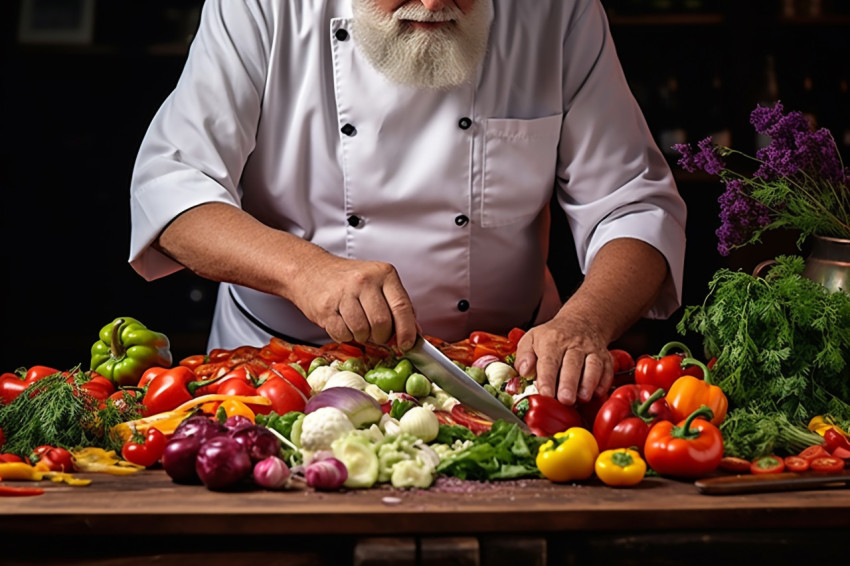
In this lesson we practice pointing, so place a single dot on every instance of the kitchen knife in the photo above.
(783, 481)
(429, 360)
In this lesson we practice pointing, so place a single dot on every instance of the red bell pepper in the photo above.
(691, 449)
(52, 459)
(663, 369)
(625, 419)
(170, 389)
(13, 384)
(97, 386)
(546, 416)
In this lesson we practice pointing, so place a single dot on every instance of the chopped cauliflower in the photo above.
(321, 427)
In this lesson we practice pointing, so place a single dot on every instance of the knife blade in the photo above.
(429, 360)
(760, 483)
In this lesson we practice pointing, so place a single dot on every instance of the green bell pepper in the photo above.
(390, 379)
(126, 349)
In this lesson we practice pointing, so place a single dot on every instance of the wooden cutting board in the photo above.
(784, 481)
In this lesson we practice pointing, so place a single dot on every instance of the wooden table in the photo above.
(144, 517)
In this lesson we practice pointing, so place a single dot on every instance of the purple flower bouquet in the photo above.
(799, 182)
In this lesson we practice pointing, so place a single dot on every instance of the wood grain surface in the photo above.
(150, 503)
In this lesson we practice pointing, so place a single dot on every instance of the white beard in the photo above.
(438, 58)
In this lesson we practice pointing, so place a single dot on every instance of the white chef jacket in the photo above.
(277, 112)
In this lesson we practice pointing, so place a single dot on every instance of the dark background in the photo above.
(73, 116)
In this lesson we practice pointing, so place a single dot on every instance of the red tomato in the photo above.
(827, 464)
(294, 377)
(219, 355)
(796, 464)
(284, 396)
(841, 452)
(145, 451)
(767, 465)
(733, 464)
(812, 452)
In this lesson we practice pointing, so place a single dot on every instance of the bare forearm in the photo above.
(351, 299)
(223, 243)
(621, 285)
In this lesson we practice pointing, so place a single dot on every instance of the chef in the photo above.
(363, 169)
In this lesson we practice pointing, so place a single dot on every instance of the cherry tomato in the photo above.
(145, 450)
(812, 452)
(796, 464)
(767, 465)
(827, 464)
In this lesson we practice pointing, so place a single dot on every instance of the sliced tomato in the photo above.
(827, 464)
(303, 355)
(814, 451)
(193, 362)
(841, 452)
(734, 464)
(219, 355)
(293, 376)
(767, 465)
(796, 464)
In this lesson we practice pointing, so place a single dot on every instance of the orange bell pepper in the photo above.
(689, 393)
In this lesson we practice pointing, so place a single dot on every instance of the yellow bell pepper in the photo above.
(568, 456)
(620, 467)
(820, 424)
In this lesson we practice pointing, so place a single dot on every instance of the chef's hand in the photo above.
(569, 357)
(356, 300)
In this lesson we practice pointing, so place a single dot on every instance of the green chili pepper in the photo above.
(126, 349)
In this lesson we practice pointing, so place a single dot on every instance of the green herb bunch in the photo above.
(781, 341)
(58, 411)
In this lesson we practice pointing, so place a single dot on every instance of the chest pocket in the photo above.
(519, 168)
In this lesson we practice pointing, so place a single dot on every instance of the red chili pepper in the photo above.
(546, 416)
(625, 419)
(691, 449)
(145, 450)
(7, 491)
(663, 369)
(52, 458)
(486, 343)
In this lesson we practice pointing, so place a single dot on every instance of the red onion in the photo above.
(327, 474)
(259, 441)
(271, 473)
(360, 408)
(198, 425)
(484, 361)
(222, 462)
(178, 459)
